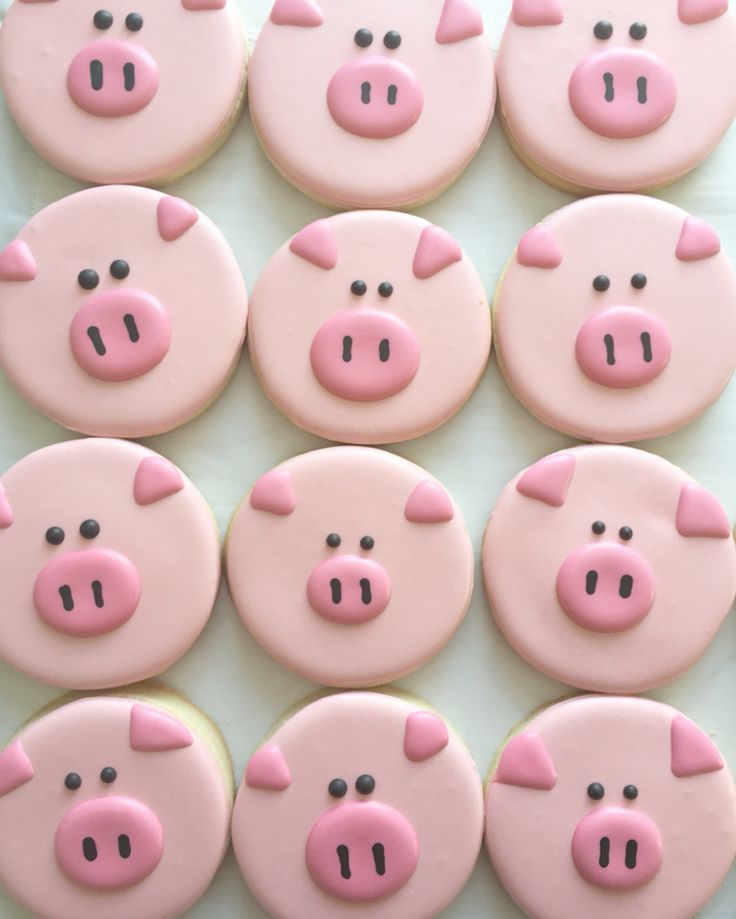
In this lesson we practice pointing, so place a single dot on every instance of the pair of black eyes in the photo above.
(602, 282)
(359, 288)
(364, 785)
(596, 791)
(364, 38)
(604, 30)
(333, 541)
(599, 528)
(73, 781)
(103, 19)
(55, 536)
(88, 278)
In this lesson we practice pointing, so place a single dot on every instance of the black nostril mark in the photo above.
(591, 582)
(365, 591)
(344, 856)
(605, 852)
(608, 80)
(66, 597)
(632, 847)
(646, 343)
(336, 588)
(89, 848)
(379, 857)
(365, 93)
(124, 846)
(641, 85)
(133, 333)
(347, 349)
(129, 77)
(95, 74)
(610, 355)
(626, 586)
(97, 593)
(392, 90)
(384, 350)
(97, 343)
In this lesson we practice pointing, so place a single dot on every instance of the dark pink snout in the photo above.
(348, 589)
(87, 592)
(605, 587)
(120, 335)
(362, 851)
(617, 849)
(365, 355)
(623, 93)
(111, 78)
(622, 347)
(375, 97)
(109, 843)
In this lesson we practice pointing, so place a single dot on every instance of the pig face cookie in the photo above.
(369, 327)
(349, 565)
(608, 568)
(616, 318)
(109, 560)
(369, 104)
(361, 803)
(130, 92)
(622, 97)
(616, 807)
(112, 807)
(122, 311)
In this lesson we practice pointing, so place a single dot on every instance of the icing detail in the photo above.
(429, 503)
(699, 513)
(317, 244)
(156, 478)
(698, 240)
(6, 511)
(274, 493)
(17, 262)
(526, 763)
(617, 849)
(537, 12)
(693, 752)
(305, 13)
(15, 768)
(154, 731)
(539, 249)
(349, 590)
(693, 12)
(436, 250)
(548, 479)
(113, 78)
(199, 5)
(459, 20)
(425, 736)
(174, 217)
(267, 770)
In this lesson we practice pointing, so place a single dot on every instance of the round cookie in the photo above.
(114, 806)
(369, 327)
(122, 311)
(608, 568)
(360, 803)
(109, 561)
(616, 318)
(625, 97)
(350, 565)
(127, 92)
(368, 104)
(616, 807)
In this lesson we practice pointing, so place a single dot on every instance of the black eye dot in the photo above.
(102, 19)
(626, 533)
(108, 775)
(385, 289)
(631, 792)
(601, 283)
(73, 781)
(392, 40)
(599, 528)
(358, 288)
(89, 529)
(338, 788)
(639, 281)
(119, 269)
(363, 38)
(596, 791)
(638, 31)
(88, 279)
(603, 30)
(367, 542)
(365, 784)
(333, 540)
(55, 536)
(134, 22)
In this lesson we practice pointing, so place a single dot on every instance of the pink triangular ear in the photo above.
(197, 5)
(175, 216)
(267, 770)
(274, 493)
(697, 240)
(436, 250)
(429, 503)
(549, 479)
(699, 513)
(537, 12)
(6, 511)
(460, 19)
(691, 12)
(538, 249)
(15, 768)
(425, 735)
(305, 13)
(693, 752)
(152, 731)
(317, 244)
(156, 478)
(526, 762)
(17, 263)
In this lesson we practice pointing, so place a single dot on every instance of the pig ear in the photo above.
(460, 19)
(6, 511)
(699, 513)
(15, 768)
(197, 5)
(693, 752)
(436, 250)
(526, 762)
(425, 735)
(305, 13)
(17, 263)
(175, 217)
(156, 478)
(152, 731)
(267, 770)
(548, 480)
(538, 249)
(698, 240)
(429, 503)
(274, 493)
(537, 12)
(317, 244)
(692, 12)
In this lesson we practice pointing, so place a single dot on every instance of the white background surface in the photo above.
(477, 682)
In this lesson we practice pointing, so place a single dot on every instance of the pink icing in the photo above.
(6, 511)
(348, 589)
(305, 13)
(274, 493)
(460, 19)
(156, 478)
(15, 768)
(436, 250)
(526, 763)
(267, 770)
(537, 12)
(548, 479)
(539, 249)
(425, 736)
(693, 752)
(429, 503)
(698, 240)
(200, 5)
(17, 262)
(699, 513)
(112, 78)
(109, 843)
(155, 731)
(355, 831)
(316, 243)
(692, 12)
(607, 839)
(174, 217)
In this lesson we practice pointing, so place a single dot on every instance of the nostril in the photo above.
(129, 77)
(632, 847)
(379, 857)
(95, 74)
(365, 93)
(67, 599)
(344, 856)
(347, 349)
(384, 350)
(133, 334)
(365, 591)
(626, 585)
(641, 86)
(392, 91)
(336, 588)
(646, 344)
(89, 848)
(610, 353)
(591, 582)
(97, 594)
(604, 855)
(124, 847)
(98, 344)
(608, 82)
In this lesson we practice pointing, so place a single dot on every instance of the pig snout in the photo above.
(111, 78)
(348, 589)
(617, 849)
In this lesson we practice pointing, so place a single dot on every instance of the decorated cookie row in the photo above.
(120, 806)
